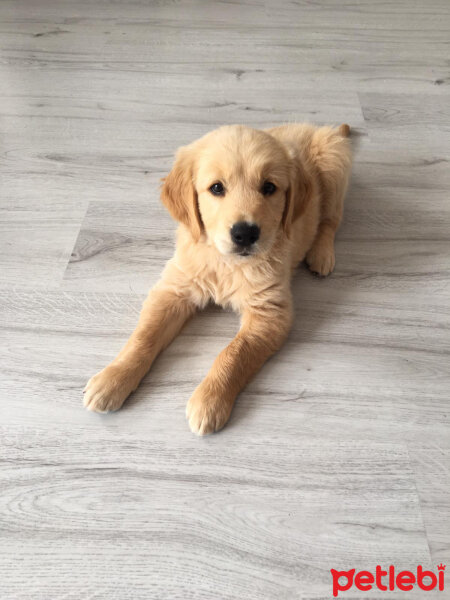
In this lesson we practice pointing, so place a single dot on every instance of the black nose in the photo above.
(244, 234)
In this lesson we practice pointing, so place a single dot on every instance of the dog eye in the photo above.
(217, 189)
(268, 188)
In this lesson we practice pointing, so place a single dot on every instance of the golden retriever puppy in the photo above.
(251, 205)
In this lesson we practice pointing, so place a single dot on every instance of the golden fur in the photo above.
(310, 168)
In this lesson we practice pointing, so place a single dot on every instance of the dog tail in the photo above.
(344, 130)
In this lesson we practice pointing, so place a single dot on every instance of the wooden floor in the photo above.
(338, 453)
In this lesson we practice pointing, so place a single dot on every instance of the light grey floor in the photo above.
(338, 453)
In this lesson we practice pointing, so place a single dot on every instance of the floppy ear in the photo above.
(179, 195)
(297, 197)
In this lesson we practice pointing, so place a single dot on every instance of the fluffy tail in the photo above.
(344, 130)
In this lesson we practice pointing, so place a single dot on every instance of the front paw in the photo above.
(320, 259)
(208, 410)
(108, 390)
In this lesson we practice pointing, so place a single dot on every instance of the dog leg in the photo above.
(163, 314)
(261, 334)
(332, 155)
(320, 257)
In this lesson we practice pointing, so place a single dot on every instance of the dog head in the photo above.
(236, 186)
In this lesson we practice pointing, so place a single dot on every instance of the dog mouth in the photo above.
(237, 251)
(243, 253)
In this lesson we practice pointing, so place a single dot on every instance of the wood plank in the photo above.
(37, 235)
(351, 369)
(432, 472)
(83, 501)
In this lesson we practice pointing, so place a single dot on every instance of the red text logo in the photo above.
(388, 580)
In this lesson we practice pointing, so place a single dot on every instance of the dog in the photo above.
(251, 204)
